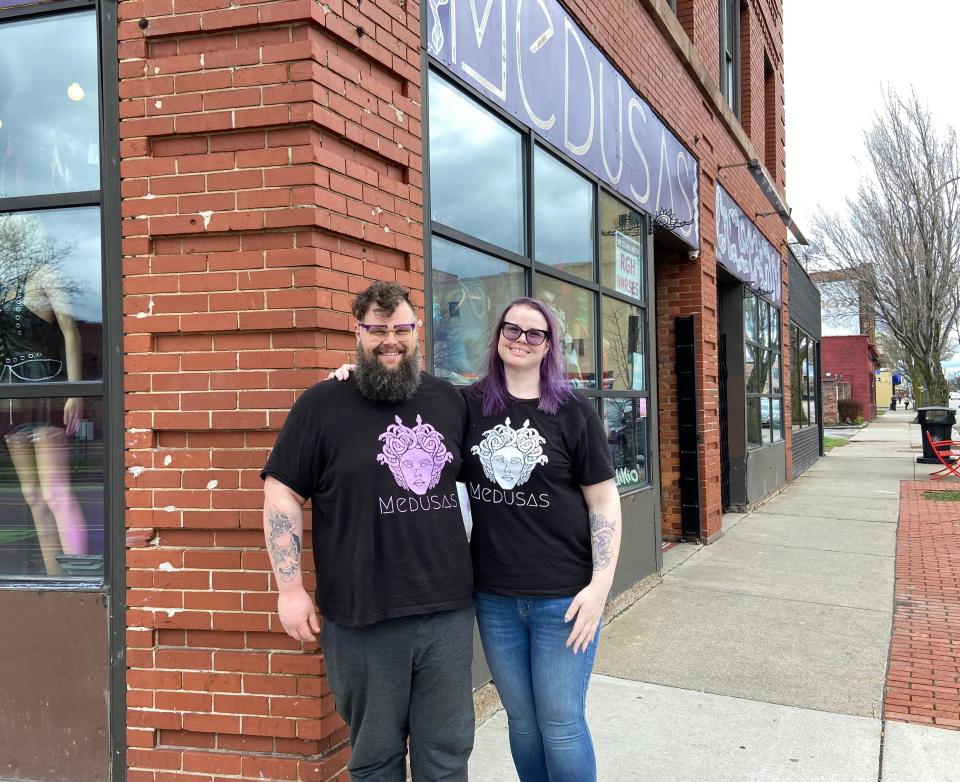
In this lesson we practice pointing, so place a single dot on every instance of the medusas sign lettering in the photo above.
(530, 58)
(743, 250)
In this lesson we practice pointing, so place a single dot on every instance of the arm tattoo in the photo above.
(284, 544)
(601, 536)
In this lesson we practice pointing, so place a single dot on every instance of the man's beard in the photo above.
(380, 384)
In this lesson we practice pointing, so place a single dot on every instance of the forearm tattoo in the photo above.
(601, 536)
(284, 544)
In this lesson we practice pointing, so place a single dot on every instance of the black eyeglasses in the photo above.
(513, 332)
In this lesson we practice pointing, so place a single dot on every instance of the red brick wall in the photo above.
(270, 169)
(848, 359)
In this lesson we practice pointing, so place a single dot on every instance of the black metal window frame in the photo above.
(768, 353)
(112, 586)
(106, 200)
(525, 261)
(730, 53)
(796, 333)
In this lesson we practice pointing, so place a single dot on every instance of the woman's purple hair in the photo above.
(555, 388)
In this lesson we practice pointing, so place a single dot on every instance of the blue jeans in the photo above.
(542, 683)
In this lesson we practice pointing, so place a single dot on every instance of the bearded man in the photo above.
(378, 456)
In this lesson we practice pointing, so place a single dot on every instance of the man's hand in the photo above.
(587, 607)
(297, 614)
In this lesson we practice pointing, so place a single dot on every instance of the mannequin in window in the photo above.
(40, 343)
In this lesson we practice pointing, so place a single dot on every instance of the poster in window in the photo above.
(629, 278)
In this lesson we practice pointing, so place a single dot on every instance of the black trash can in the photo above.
(939, 422)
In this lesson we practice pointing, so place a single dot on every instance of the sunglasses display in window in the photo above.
(513, 332)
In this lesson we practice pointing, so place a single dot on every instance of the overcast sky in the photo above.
(839, 56)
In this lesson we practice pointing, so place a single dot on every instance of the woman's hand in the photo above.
(72, 413)
(587, 607)
(342, 372)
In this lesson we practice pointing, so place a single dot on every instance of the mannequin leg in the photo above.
(22, 455)
(52, 452)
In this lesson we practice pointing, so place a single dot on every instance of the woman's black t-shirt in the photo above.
(388, 534)
(523, 470)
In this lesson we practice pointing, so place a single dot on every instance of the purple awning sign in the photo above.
(13, 3)
(744, 251)
(532, 60)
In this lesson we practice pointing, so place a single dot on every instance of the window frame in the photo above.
(729, 39)
(108, 389)
(531, 267)
(768, 350)
(799, 337)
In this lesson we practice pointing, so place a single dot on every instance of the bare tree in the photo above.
(897, 246)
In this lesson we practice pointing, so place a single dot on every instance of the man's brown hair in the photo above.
(384, 297)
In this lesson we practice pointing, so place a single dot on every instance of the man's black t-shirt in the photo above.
(388, 534)
(524, 470)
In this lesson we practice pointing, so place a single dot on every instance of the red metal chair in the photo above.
(948, 452)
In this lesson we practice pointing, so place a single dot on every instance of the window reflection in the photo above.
(563, 223)
(776, 423)
(49, 131)
(798, 414)
(470, 290)
(753, 421)
(476, 169)
(574, 310)
(623, 346)
(811, 381)
(51, 487)
(622, 231)
(750, 316)
(626, 424)
(50, 306)
(753, 368)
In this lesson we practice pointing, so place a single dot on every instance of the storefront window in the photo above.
(476, 172)
(51, 487)
(52, 465)
(624, 361)
(803, 352)
(762, 370)
(563, 221)
(587, 263)
(49, 106)
(574, 309)
(621, 247)
(470, 289)
(750, 330)
(626, 422)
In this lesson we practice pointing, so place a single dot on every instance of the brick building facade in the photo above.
(853, 360)
(263, 161)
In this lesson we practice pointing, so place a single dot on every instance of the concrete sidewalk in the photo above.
(764, 655)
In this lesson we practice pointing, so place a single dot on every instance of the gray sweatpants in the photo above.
(399, 678)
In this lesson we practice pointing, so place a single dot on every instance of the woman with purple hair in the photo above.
(546, 535)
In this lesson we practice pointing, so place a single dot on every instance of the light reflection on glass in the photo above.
(470, 289)
(476, 169)
(574, 310)
(50, 139)
(563, 222)
(44, 457)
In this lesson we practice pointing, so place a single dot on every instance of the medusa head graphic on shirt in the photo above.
(416, 456)
(509, 455)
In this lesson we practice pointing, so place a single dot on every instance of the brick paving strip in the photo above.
(923, 675)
